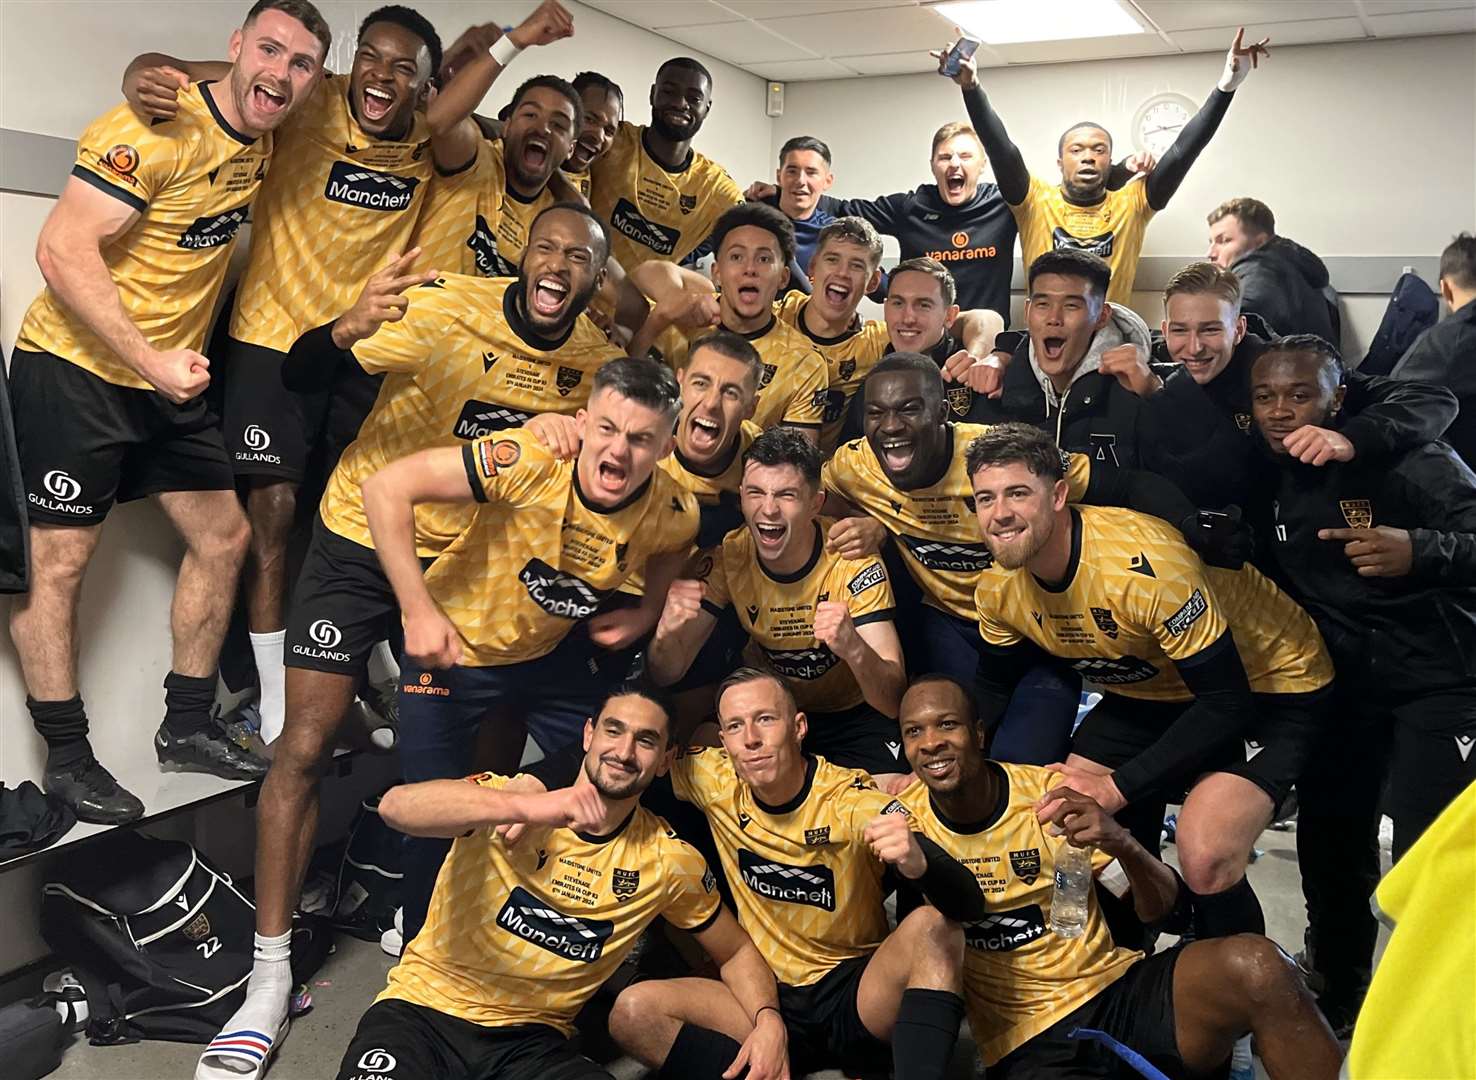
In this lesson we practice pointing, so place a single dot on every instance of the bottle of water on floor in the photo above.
(1073, 881)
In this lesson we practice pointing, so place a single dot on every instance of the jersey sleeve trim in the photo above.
(1210, 652)
(713, 609)
(473, 477)
(884, 615)
(81, 172)
(707, 922)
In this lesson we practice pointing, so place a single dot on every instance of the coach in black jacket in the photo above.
(1384, 559)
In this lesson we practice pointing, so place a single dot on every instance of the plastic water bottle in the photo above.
(1073, 881)
(1242, 1066)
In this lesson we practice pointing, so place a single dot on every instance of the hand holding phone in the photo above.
(961, 50)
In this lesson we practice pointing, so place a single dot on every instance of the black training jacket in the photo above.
(1386, 635)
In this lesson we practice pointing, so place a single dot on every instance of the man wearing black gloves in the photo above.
(1216, 681)
(1082, 213)
(810, 850)
(1199, 409)
(1384, 559)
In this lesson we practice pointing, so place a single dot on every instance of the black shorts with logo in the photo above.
(270, 431)
(342, 605)
(857, 738)
(1137, 1010)
(1272, 754)
(396, 1040)
(825, 1028)
(85, 443)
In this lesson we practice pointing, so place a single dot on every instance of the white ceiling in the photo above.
(794, 40)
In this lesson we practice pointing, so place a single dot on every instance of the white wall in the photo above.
(1359, 149)
(63, 65)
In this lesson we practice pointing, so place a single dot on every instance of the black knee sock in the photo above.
(926, 1031)
(187, 703)
(63, 724)
(1233, 911)
(699, 1053)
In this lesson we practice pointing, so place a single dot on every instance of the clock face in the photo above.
(1159, 122)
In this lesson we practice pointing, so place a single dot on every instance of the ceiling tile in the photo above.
(1423, 22)
(653, 13)
(1400, 7)
(860, 32)
(1309, 32)
(1196, 14)
(737, 43)
(904, 63)
(1055, 52)
(801, 70)
(774, 9)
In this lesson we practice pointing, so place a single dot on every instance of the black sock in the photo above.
(697, 1053)
(926, 1031)
(187, 703)
(1233, 911)
(63, 724)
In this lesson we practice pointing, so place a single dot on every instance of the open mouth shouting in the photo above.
(704, 435)
(955, 183)
(837, 295)
(377, 104)
(897, 454)
(550, 295)
(535, 154)
(1052, 348)
(580, 157)
(612, 478)
(267, 100)
(749, 299)
(770, 536)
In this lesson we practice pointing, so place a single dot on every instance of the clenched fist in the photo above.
(683, 604)
(835, 629)
(893, 842)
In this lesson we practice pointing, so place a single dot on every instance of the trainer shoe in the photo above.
(208, 750)
(93, 794)
(392, 941)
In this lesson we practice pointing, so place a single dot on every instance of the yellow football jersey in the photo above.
(473, 223)
(526, 935)
(653, 212)
(935, 527)
(538, 557)
(807, 887)
(1419, 1019)
(1137, 599)
(192, 180)
(1112, 229)
(848, 358)
(792, 386)
(338, 204)
(580, 182)
(461, 365)
(1019, 977)
(779, 612)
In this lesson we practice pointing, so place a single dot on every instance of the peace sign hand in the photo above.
(1241, 59)
(382, 300)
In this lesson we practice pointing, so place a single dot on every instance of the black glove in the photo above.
(1219, 537)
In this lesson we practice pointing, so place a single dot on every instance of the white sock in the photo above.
(383, 667)
(268, 993)
(267, 648)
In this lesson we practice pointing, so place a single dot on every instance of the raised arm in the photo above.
(872, 651)
(678, 297)
(69, 253)
(1010, 173)
(451, 808)
(482, 54)
(685, 625)
(1174, 166)
(440, 474)
(152, 82)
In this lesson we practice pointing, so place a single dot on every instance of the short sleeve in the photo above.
(404, 346)
(1078, 469)
(866, 801)
(1182, 614)
(121, 157)
(680, 518)
(701, 774)
(717, 597)
(868, 592)
(992, 629)
(836, 475)
(508, 467)
(692, 899)
(1026, 212)
(807, 407)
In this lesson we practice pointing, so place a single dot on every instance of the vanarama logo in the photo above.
(425, 685)
(961, 252)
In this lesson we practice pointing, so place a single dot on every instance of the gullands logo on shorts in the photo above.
(325, 639)
(61, 494)
(257, 442)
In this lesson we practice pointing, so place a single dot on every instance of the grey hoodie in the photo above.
(1125, 327)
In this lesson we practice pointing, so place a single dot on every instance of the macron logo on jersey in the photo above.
(213, 231)
(567, 936)
(813, 886)
(630, 222)
(558, 593)
(1006, 931)
(357, 186)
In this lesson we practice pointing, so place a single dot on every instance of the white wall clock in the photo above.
(1159, 120)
